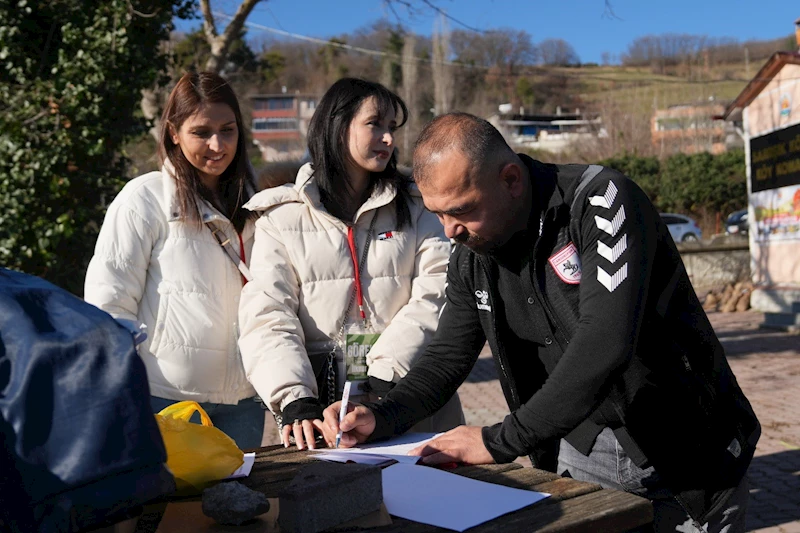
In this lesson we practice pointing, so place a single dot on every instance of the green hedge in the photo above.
(702, 185)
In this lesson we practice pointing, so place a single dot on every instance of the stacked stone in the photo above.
(730, 298)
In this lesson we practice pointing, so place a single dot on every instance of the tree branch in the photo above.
(209, 26)
(220, 44)
(411, 9)
(608, 12)
(133, 11)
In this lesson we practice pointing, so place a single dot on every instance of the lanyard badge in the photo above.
(356, 338)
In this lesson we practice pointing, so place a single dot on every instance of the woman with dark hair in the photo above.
(172, 256)
(348, 269)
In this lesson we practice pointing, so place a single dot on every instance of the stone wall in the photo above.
(716, 265)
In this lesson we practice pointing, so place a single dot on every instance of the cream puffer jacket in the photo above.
(151, 267)
(303, 279)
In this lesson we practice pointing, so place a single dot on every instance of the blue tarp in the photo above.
(80, 444)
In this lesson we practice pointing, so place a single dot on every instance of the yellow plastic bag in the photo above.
(196, 454)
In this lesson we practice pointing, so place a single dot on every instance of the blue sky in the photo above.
(582, 23)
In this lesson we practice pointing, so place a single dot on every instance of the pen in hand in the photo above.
(343, 410)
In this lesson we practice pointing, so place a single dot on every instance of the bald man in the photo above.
(603, 349)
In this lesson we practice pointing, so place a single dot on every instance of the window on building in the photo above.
(274, 103)
(280, 103)
(275, 124)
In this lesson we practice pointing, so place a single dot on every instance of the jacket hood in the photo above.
(305, 190)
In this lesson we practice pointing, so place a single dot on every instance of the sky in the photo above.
(585, 24)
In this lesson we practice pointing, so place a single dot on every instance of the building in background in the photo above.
(280, 124)
(769, 110)
(551, 133)
(693, 128)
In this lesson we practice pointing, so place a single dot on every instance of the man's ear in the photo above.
(511, 175)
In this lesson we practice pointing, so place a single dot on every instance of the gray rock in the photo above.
(232, 503)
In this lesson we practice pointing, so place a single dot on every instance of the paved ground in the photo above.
(767, 365)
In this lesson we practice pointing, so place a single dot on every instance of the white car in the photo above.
(682, 228)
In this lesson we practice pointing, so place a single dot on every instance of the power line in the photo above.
(439, 10)
(346, 46)
(543, 71)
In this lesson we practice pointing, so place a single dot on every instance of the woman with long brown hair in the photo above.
(172, 255)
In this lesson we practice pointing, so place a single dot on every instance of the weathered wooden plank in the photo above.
(484, 471)
(604, 510)
(523, 478)
(565, 488)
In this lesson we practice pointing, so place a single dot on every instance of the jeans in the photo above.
(243, 422)
(609, 466)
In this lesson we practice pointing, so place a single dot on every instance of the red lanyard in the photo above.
(351, 242)
(241, 254)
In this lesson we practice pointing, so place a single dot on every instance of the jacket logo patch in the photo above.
(385, 235)
(611, 282)
(607, 200)
(612, 254)
(566, 264)
(611, 226)
(483, 300)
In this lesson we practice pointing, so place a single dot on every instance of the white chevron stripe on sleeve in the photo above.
(607, 200)
(611, 226)
(612, 254)
(612, 282)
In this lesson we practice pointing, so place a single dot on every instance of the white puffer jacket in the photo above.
(304, 276)
(151, 267)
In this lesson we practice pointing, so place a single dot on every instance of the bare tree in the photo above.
(221, 42)
(409, 89)
(442, 72)
(153, 99)
(557, 52)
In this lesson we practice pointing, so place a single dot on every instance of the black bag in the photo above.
(81, 448)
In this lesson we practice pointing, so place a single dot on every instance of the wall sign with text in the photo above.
(775, 159)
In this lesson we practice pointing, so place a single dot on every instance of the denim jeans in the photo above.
(609, 466)
(243, 422)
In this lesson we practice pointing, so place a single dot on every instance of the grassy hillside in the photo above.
(638, 89)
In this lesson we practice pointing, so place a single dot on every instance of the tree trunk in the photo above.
(220, 43)
(151, 109)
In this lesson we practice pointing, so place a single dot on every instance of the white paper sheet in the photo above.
(442, 499)
(365, 458)
(394, 449)
(247, 466)
(400, 445)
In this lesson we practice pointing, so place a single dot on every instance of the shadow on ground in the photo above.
(774, 490)
(740, 343)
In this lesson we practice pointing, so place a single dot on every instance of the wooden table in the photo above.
(574, 505)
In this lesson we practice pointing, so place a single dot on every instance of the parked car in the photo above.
(682, 228)
(737, 223)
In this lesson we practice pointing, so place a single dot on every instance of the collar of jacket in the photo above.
(306, 190)
(208, 212)
(543, 178)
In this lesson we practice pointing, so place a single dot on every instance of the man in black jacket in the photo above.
(601, 344)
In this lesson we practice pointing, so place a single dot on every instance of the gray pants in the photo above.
(609, 466)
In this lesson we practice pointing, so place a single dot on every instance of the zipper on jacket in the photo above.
(500, 351)
(545, 304)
